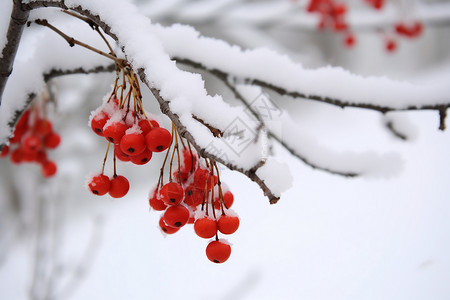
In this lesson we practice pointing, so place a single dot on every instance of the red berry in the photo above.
(31, 143)
(145, 126)
(349, 40)
(132, 144)
(142, 158)
(172, 193)
(43, 127)
(5, 151)
(119, 187)
(218, 251)
(228, 224)
(193, 196)
(391, 45)
(115, 131)
(18, 134)
(158, 139)
(167, 229)
(23, 121)
(189, 161)
(98, 122)
(176, 216)
(205, 227)
(99, 185)
(52, 140)
(17, 156)
(120, 155)
(228, 198)
(155, 203)
(202, 177)
(48, 168)
(41, 156)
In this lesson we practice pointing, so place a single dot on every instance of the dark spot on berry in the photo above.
(95, 192)
(144, 160)
(216, 261)
(173, 200)
(177, 224)
(98, 130)
(111, 139)
(160, 148)
(131, 150)
(190, 192)
(164, 229)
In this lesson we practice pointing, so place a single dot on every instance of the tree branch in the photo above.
(19, 18)
(224, 78)
(333, 101)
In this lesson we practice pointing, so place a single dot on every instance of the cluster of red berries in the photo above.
(377, 4)
(333, 13)
(193, 193)
(134, 136)
(33, 136)
(197, 196)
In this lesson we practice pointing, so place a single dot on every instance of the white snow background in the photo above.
(328, 237)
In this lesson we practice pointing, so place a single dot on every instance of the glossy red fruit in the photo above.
(202, 177)
(17, 156)
(391, 45)
(142, 158)
(120, 155)
(189, 161)
(228, 198)
(172, 193)
(31, 143)
(193, 196)
(114, 132)
(99, 184)
(158, 139)
(176, 216)
(19, 132)
(52, 140)
(218, 251)
(167, 229)
(228, 224)
(132, 144)
(5, 151)
(43, 127)
(145, 126)
(98, 122)
(48, 168)
(349, 40)
(205, 227)
(119, 187)
(155, 203)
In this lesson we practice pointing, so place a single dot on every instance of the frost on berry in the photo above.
(218, 251)
(99, 185)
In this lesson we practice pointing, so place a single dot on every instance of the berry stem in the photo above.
(106, 156)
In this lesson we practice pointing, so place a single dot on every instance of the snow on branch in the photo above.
(181, 94)
(325, 84)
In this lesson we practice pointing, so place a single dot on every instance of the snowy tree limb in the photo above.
(224, 78)
(19, 18)
(441, 108)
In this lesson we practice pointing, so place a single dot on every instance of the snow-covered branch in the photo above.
(150, 50)
(18, 20)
